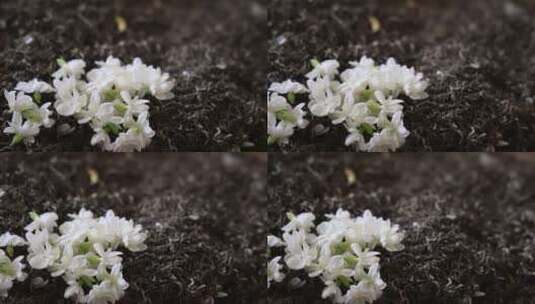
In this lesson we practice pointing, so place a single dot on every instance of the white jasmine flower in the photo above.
(277, 103)
(46, 221)
(24, 106)
(299, 115)
(90, 111)
(103, 81)
(133, 238)
(356, 138)
(303, 221)
(388, 105)
(66, 261)
(23, 131)
(137, 137)
(160, 84)
(111, 288)
(121, 231)
(69, 100)
(332, 290)
(364, 62)
(413, 84)
(299, 254)
(109, 257)
(323, 97)
(44, 115)
(362, 293)
(285, 112)
(391, 137)
(274, 271)
(75, 291)
(327, 68)
(359, 115)
(19, 102)
(151, 79)
(80, 267)
(283, 119)
(83, 215)
(111, 63)
(336, 267)
(107, 114)
(106, 123)
(391, 237)
(131, 106)
(365, 257)
(369, 289)
(40, 116)
(273, 241)
(287, 86)
(74, 68)
(415, 88)
(9, 272)
(34, 85)
(279, 132)
(101, 138)
(8, 239)
(340, 215)
(340, 114)
(42, 253)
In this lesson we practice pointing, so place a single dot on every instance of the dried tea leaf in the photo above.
(121, 24)
(375, 24)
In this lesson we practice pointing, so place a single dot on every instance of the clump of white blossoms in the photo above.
(83, 251)
(111, 99)
(283, 118)
(10, 270)
(28, 114)
(339, 251)
(364, 98)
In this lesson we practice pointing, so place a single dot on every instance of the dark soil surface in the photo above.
(205, 214)
(469, 220)
(215, 49)
(478, 55)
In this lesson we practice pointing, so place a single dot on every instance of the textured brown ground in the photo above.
(205, 214)
(215, 50)
(469, 220)
(483, 100)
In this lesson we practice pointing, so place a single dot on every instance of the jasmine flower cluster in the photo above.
(83, 251)
(28, 112)
(283, 118)
(111, 99)
(340, 251)
(10, 269)
(363, 98)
